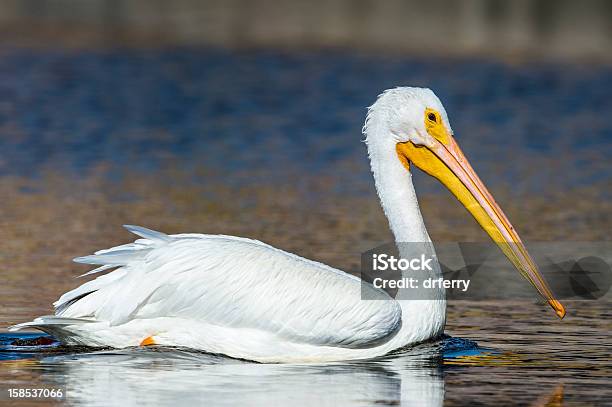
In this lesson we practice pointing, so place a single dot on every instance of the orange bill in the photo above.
(445, 161)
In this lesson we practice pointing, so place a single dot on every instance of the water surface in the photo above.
(519, 356)
(268, 145)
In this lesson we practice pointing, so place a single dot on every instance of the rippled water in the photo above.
(267, 145)
(520, 356)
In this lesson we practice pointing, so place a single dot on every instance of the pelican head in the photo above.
(416, 131)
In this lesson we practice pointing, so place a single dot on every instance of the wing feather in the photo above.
(234, 282)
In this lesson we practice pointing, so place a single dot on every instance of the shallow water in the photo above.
(267, 145)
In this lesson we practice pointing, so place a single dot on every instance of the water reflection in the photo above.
(164, 375)
(135, 377)
(525, 365)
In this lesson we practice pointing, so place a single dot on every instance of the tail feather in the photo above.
(98, 270)
(153, 235)
(89, 287)
(120, 258)
(115, 257)
(48, 321)
(124, 254)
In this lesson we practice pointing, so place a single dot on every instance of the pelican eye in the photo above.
(432, 117)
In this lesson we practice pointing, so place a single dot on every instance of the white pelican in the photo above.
(245, 299)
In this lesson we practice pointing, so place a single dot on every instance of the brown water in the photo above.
(524, 354)
(206, 141)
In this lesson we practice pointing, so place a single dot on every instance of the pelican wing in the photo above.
(232, 282)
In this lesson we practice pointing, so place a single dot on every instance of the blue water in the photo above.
(137, 109)
(447, 347)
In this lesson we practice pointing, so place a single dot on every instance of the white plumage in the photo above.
(246, 299)
(228, 281)
(223, 294)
